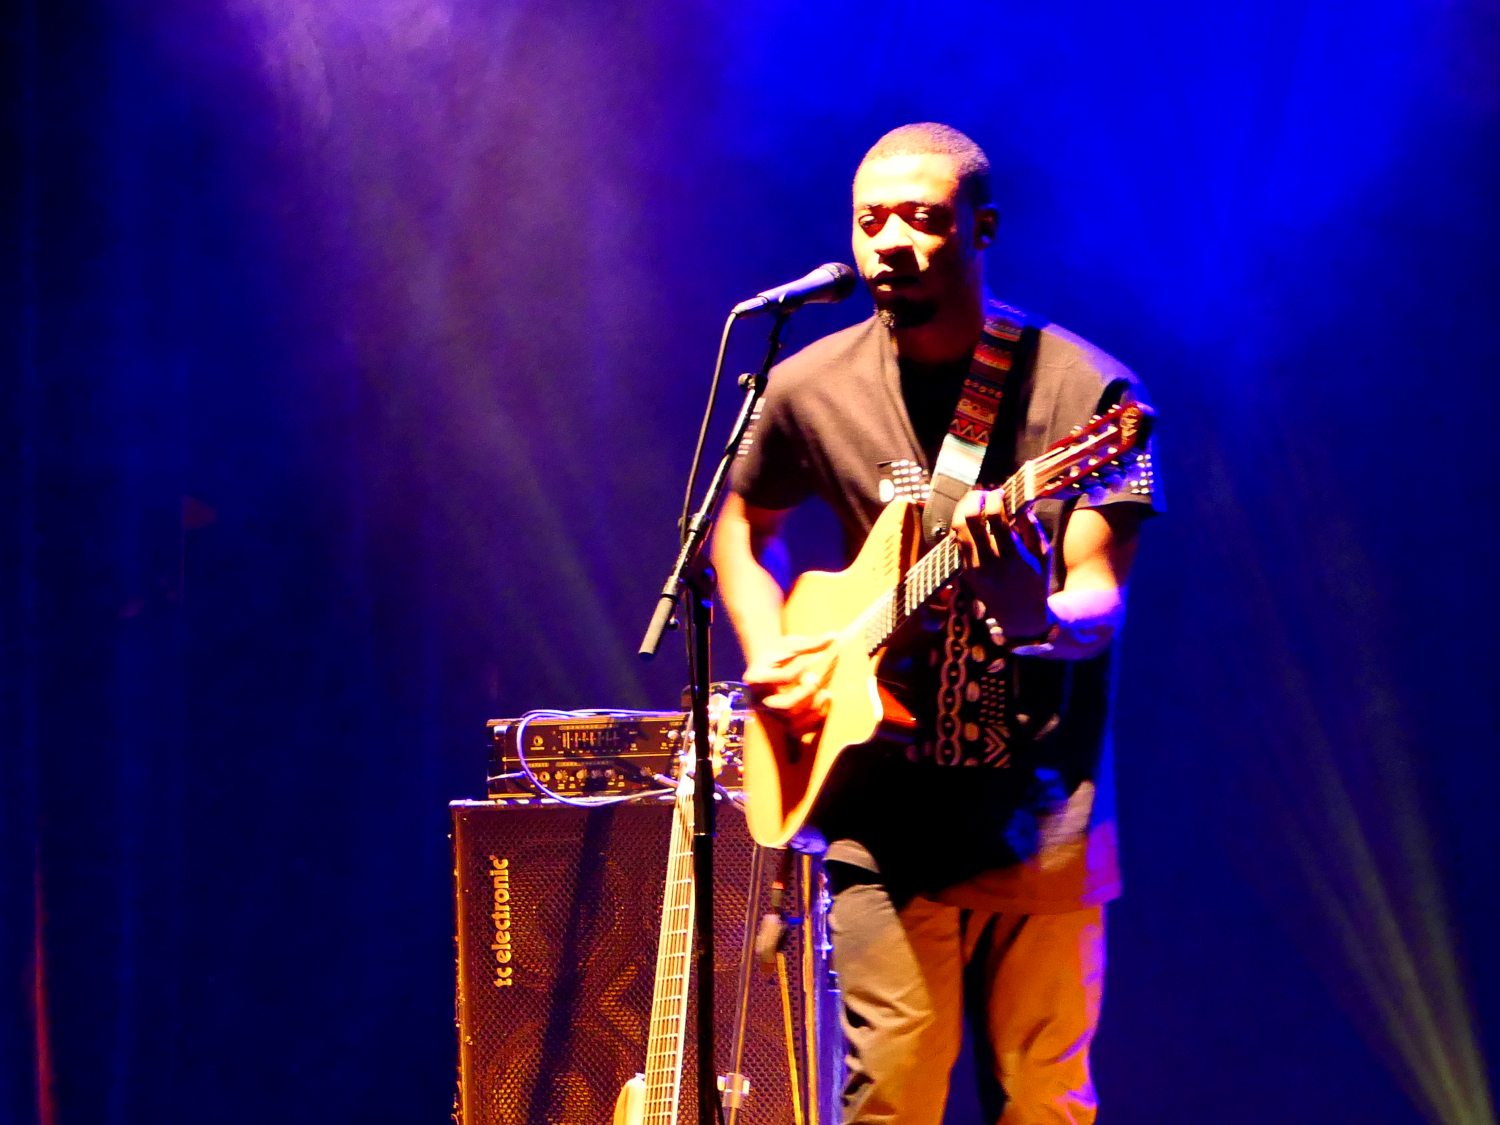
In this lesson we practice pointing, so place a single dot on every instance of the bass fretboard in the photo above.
(669, 996)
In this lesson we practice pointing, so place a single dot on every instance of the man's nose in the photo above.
(894, 237)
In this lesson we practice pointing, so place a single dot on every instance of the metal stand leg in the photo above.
(735, 1082)
(812, 1027)
(825, 1029)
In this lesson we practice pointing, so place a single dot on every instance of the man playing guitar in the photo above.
(970, 868)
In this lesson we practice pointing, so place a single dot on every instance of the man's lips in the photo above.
(896, 280)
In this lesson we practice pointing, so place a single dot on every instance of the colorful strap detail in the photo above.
(962, 454)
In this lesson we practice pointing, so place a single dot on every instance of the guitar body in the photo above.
(784, 773)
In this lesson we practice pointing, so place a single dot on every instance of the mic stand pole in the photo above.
(694, 579)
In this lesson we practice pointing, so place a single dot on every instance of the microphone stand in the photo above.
(693, 579)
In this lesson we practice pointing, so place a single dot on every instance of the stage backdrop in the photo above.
(353, 356)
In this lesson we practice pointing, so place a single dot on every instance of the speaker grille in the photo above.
(551, 1041)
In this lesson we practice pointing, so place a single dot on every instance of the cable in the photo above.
(578, 802)
(708, 413)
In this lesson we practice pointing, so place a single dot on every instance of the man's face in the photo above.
(914, 235)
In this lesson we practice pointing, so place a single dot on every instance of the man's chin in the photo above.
(897, 312)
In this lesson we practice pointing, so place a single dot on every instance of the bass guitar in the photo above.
(651, 1098)
(869, 605)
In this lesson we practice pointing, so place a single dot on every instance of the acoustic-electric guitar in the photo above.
(872, 604)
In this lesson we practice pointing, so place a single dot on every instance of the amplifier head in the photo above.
(610, 753)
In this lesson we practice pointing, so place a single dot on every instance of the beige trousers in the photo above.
(1032, 986)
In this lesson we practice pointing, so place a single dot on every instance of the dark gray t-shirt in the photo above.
(838, 422)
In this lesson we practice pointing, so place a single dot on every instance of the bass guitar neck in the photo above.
(652, 1098)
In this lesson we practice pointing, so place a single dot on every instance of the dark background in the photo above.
(353, 352)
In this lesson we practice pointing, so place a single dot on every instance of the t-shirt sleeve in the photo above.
(772, 469)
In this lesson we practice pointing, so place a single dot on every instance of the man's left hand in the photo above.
(989, 534)
(1007, 564)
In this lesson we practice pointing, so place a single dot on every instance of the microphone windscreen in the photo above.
(844, 280)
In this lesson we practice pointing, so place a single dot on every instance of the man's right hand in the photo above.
(789, 679)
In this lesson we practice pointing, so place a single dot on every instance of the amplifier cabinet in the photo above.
(558, 917)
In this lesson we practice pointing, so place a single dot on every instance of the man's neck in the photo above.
(949, 337)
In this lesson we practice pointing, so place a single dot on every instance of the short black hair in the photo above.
(929, 138)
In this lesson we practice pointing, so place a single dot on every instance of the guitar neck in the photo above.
(937, 568)
(1068, 465)
(669, 996)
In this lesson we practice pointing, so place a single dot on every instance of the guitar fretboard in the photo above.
(927, 576)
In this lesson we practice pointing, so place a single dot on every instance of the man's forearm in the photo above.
(748, 590)
(1087, 620)
(1098, 549)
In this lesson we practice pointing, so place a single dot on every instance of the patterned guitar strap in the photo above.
(1004, 344)
(971, 724)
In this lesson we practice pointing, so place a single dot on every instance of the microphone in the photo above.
(826, 284)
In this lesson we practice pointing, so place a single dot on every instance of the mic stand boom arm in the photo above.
(693, 579)
(695, 535)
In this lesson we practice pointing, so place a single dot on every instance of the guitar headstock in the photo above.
(727, 708)
(1093, 456)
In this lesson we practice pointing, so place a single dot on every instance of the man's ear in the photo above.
(986, 222)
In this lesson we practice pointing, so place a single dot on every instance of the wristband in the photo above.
(1039, 645)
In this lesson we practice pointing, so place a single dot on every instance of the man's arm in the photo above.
(1098, 549)
(747, 543)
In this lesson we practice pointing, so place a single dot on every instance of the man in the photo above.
(970, 870)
